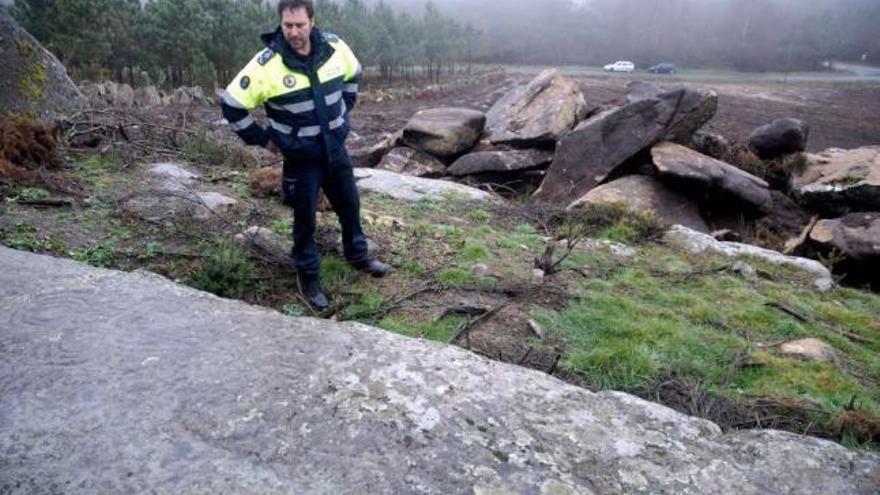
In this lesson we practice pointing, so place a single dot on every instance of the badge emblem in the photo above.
(245, 82)
(266, 56)
(290, 81)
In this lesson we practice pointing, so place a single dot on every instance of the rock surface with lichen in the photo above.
(32, 81)
(118, 382)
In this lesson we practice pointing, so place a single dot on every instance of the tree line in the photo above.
(745, 35)
(205, 42)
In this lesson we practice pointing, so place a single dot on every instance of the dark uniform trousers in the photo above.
(303, 179)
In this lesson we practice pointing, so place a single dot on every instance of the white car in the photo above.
(620, 66)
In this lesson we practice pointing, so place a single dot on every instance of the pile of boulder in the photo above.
(652, 154)
(112, 94)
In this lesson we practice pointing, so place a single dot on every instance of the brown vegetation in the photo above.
(25, 147)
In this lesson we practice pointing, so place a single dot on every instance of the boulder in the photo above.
(808, 349)
(444, 132)
(856, 235)
(839, 181)
(121, 382)
(212, 204)
(677, 163)
(586, 156)
(499, 161)
(147, 96)
(124, 96)
(779, 138)
(537, 114)
(370, 156)
(169, 194)
(641, 90)
(697, 242)
(408, 188)
(412, 162)
(647, 194)
(32, 81)
(711, 144)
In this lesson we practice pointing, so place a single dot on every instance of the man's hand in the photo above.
(271, 146)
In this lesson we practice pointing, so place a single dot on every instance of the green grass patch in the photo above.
(671, 315)
(439, 330)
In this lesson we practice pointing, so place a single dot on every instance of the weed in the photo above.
(102, 256)
(293, 309)
(479, 216)
(455, 277)
(226, 272)
(281, 226)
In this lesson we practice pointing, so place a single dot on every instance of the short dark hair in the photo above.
(297, 4)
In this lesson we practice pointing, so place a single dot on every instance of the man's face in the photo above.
(296, 27)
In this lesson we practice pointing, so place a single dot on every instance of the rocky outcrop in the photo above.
(444, 132)
(127, 383)
(408, 188)
(586, 156)
(537, 114)
(711, 144)
(32, 81)
(412, 162)
(170, 194)
(697, 242)
(677, 163)
(499, 161)
(856, 235)
(839, 181)
(646, 194)
(779, 138)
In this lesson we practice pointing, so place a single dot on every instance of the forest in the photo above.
(204, 42)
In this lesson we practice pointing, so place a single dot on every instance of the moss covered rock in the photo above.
(32, 81)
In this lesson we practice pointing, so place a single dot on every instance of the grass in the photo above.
(439, 330)
(653, 318)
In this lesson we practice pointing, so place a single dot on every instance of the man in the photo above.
(308, 81)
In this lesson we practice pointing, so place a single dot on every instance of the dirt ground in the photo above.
(840, 115)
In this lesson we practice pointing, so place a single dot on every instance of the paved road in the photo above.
(847, 73)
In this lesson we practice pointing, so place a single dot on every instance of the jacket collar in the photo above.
(321, 49)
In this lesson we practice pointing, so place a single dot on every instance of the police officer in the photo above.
(307, 81)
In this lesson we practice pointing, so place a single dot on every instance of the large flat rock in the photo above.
(587, 156)
(409, 188)
(128, 383)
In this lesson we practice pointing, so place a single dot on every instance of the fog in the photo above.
(741, 34)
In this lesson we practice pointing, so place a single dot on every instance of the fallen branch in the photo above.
(469, 324)
(46, 203)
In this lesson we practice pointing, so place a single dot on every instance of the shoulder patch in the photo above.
(266, 56)
(331, 37)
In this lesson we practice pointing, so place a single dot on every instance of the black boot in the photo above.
(374, 267)
(310, 287)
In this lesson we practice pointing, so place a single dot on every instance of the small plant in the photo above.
(479, 216)
(102, 256)
(225, 272)
(293, 309)
(31, 194)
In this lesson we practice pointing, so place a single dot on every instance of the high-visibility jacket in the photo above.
(307, 100)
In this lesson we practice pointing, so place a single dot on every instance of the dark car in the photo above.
(663, 68)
